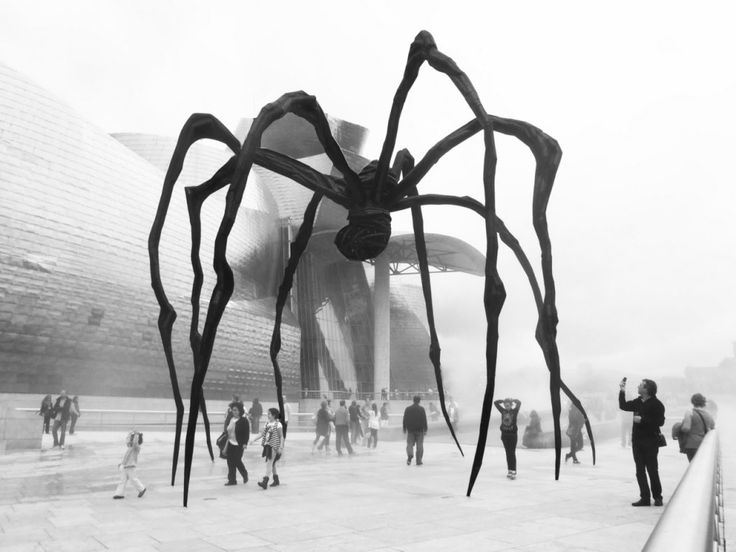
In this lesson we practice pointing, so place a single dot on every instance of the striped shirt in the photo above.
(271, 435)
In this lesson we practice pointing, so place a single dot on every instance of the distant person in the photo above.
(453, 411)
(509, 409)
(356, 431)
(342, 429)
(696, 423)
(322, 427)
(365, 414)
(255, 412)
(74, 414)
(272, 440)
(238, 434)
(62, 406)
(648, 418)
(127, 467)
(330, 425)
(415, 427)
(47, 411)
(575, 423)
(533, 431)
(434, 413)
(385, 408)
(374, 424)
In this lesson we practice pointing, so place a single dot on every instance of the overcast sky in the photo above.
(640, 95)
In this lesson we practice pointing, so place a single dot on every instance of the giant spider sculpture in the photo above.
(370, 196)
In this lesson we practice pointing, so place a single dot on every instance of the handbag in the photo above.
(222, 444)
(661, 441)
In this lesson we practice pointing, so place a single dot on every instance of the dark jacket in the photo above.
(415, 419)
(354, 411)
(652, 417)
(62, 408)
(242, 431)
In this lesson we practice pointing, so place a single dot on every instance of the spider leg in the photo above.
(198, 126)
(297, 249)
(196, 196)
(405, 163)
(547, 154)
(424, 49)
(302, 105)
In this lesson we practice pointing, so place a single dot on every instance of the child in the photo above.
(134, 440)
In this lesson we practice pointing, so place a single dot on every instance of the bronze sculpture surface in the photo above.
(381, 188)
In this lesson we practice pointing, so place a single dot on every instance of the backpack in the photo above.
(679, 436)
(507, 422)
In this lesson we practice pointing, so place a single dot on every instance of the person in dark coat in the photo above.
(415, 427)
(238, 435)
(47, 411)
(648, 418)
(61, 418)
(229, 413)
(322, 427)
(255, 413)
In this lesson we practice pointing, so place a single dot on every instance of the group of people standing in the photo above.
(61, 412)
(351, 425)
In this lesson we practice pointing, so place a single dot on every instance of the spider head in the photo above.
(366, 235)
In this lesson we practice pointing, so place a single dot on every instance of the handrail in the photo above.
(693, 519)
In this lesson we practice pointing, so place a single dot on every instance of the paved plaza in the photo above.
(62, 500)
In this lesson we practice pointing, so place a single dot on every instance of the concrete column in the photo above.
(381, 327)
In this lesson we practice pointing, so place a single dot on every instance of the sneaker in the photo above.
(575, 461)
(658, 502)
(140, 494)
(118, 496)
(512, 475)
(62, 447)
(420, 463)
(641, 502)
(231, 483)
(408, 461)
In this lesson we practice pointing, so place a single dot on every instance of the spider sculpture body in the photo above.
(369, 197)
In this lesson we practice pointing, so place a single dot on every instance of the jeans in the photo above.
(235, 461)
(645, 459)
(509, 444)
(342, 436)
(55, 430)
(415, 438)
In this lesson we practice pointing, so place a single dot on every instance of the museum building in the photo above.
(76, 306)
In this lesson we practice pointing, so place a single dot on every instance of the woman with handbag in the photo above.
(696, 423)
(272, 440)
(238, 433)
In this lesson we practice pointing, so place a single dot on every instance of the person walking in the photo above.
(272, 440)
(509, 409)
(355, 416)
(342, 432)
(127, 467)
(47, 411)
(374, 424)
(415, 427)
(322, 427)
(255, 413)
(696, 423)
(61, 417)
(74, 414)
(238, 435)
(575, 423)
(648, 418)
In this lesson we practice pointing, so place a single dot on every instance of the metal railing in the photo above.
(693, 520)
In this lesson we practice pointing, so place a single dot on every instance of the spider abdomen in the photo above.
(366, 235)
